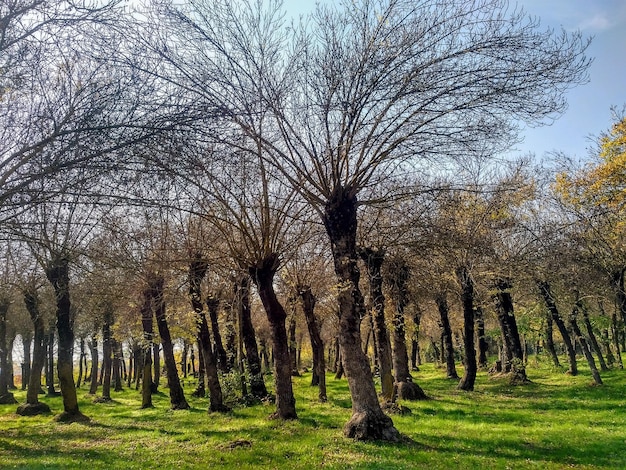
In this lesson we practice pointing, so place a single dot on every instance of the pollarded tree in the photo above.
(362, 92)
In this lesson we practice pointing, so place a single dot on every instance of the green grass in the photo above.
(556, 422)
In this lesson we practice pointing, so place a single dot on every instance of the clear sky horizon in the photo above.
(589, 106)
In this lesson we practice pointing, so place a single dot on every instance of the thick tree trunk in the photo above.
(404, 387)
(213, 302)
(368, 420)
(373, 260)
(148, 332)
(583, 341)
(510, 333)
(248, 336)
(200, 391)
(33, 406)
(27, 341)
(446, 336)
(6, 397)
(197, 272)
(317, 345)
(467, 299)
(483, 346)
(263, 276)
(57, 273)
(548, 298)
(177, 396)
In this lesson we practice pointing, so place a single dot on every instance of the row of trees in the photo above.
(177, 150)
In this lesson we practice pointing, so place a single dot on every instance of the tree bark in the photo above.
(404, 387)
(340, 221)
(147, 326)
(177, 396)
(550, 340)
(548, 298)
(50, 361)
(213, 302)
(416, 359)
(510, 333)
(373, 260)
(583, 341)
(257, 384)
(317, 345)
(118, 364)
(6, 397)
(57, 273)
(93, 348)
(615, 332)
(467, 299)
(293, 342)
(446, 336)
(27, 341)
(592, 338)
(107, 351)
(263, 276)
(483, 346)
(197, 272)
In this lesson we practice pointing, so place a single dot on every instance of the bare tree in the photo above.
(362, 92)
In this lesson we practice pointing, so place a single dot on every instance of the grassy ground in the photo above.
(557, 422)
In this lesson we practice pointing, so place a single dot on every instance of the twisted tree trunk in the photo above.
(317, 345)
(368, 420)
(263, 276)
(177, 396)
(467, 299)
(373, 262)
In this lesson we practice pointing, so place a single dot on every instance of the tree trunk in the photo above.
(483, 346)
(510, 333)
(248, 336)
(467, 299)
(548, 298)
(368, 420)
(197, 272)
(148, 332)
(446, 336)
(33, 406)
(81, 369)
(583, 341)
(550, 340)
(118, 364)
(317, 345)
(416, 359)
(57, 273)
(263, 276)
(49, 360)
(293, 342)
(107, 351)
(177, 396)
(220, 353)
(373, 262)
(156, 365)
(404, 387)
(592, 338)
(200, 391)
(93, 348)
(6, 397)
(27, 341)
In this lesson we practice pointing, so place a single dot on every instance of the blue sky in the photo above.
(589, 110)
